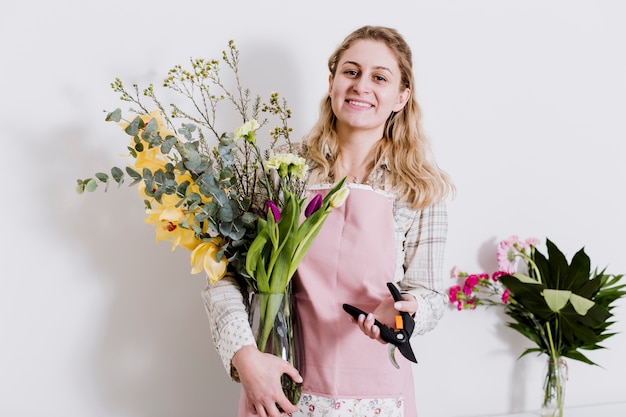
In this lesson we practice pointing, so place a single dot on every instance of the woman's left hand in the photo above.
(386, 313)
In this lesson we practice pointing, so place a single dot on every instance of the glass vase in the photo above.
(275, 329)
(554, 387)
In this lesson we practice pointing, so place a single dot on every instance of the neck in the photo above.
(354, 162)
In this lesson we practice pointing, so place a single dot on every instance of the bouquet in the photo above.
(563, 308)
(235, 207)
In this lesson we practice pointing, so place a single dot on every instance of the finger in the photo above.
(261, 411)
(287, 407)
(408, 304)
(293, 373)
(252, 408)
(370, 327)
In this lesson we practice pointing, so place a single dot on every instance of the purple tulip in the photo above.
(272, 207)
(314, 205)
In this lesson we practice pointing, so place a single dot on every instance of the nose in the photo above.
(361, 85)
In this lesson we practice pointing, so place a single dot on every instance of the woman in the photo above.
(392, 228)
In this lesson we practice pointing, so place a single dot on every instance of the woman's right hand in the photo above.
(260, 375)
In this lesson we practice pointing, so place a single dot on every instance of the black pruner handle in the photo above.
(408, 323)
(386, 333)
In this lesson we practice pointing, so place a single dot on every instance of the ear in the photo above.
(330, 83)
(403, 98)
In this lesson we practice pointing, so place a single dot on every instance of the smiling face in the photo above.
(366, 88)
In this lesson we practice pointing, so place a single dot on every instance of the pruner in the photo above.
(398, 338)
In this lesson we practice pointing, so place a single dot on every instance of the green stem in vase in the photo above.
(269, 306)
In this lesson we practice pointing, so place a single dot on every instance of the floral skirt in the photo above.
(318, 406)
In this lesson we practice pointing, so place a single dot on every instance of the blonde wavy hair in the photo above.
(404, 147)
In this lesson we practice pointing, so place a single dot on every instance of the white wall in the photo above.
(524, 101)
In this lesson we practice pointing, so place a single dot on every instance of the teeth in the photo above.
(357, 103)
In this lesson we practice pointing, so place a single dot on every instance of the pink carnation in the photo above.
(470, 283)
(505, 296)
(454, 273)
(497, 275)
(454, 291)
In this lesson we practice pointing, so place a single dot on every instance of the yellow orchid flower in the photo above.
(151, 158)
(165, 217)
(204, 258)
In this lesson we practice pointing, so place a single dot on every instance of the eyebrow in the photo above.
(378, 67)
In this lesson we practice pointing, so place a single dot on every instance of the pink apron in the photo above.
(350, 261)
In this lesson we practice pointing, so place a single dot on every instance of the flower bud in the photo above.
(314, 205)
(273, 208)
(339, 197)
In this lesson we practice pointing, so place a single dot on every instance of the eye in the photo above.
(351, 72)
(379, 78)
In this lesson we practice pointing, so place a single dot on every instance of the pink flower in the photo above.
(532, 241)
(512, 240)
(377, 411)
(505, 296)
(455, 272)
(337, 405)
(273, 208)
(459, 305)
(507, 256)
(314, 205)
(454, 292)
(470, 283)
(497, 275)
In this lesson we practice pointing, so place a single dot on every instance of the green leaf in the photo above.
(80, 187)
(117, 174)
(168, 143)
(579, 271)
(133, 127)
(114, 116)
(556, 299)
(581, 304)
(91, 185)
(526, 279)
(102, 177)
(134, 175)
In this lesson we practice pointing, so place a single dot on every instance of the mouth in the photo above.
(359, 104)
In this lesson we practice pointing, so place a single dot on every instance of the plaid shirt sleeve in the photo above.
(420, 244)
(228, 318)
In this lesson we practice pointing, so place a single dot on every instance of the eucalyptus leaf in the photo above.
(114, 116)
(133, 174)
(168, 144)
(117, 174)
(102, 176)
(80, 187)
(133, 127)
(91, 185)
